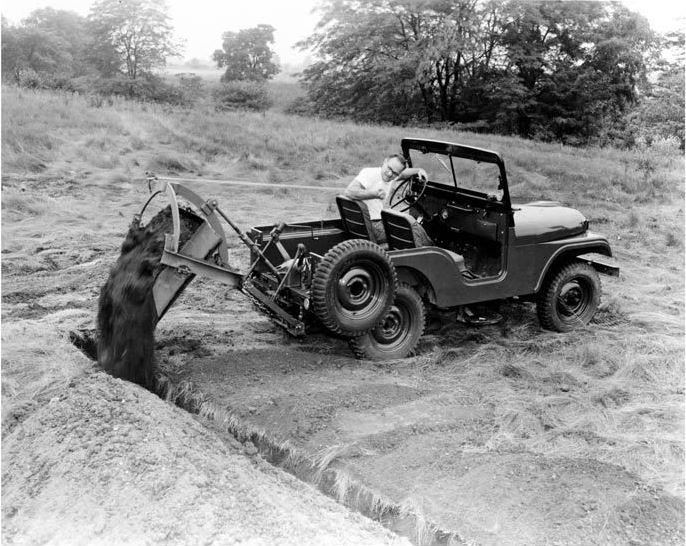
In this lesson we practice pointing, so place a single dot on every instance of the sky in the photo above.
(200, 23)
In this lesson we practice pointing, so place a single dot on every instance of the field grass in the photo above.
(73, 170)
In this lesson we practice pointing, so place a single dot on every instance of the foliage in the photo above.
(660, 115)
(147, 88)
(49, 44)
(300, 106)
(190, 85)
(246, 54)
(131, 36)
(285, 94)
(242, 95)
(551, 70)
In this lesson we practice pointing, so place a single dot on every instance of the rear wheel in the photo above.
(569, 298)
(398, 333)
(353, 287)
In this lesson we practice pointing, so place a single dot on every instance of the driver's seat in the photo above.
(401, 234)
(400, 231)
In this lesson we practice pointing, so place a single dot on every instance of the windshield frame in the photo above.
(450, 150)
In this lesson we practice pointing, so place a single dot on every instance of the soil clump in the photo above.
(126, 308)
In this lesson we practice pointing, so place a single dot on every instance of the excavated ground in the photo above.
(500, 435)
(420, 439)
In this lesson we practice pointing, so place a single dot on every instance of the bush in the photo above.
(31, 79)
(301, 106)
(191, 87)
(242, 95)
(147, 89)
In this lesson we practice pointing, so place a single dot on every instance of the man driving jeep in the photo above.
(373, 186)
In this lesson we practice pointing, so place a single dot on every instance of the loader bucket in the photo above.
(182, 264)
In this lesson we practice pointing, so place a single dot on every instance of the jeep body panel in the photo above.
(546, 221)
(523, 274)
(318, 236)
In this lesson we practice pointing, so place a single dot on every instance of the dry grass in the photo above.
(38, 360)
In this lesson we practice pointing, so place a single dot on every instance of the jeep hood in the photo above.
(543, 221)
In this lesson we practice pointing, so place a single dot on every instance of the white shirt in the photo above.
(370, 179)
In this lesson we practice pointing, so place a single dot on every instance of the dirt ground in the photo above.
(505, 434)
(418, 437)
(106, 462)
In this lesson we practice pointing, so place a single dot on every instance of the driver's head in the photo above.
(392, 166)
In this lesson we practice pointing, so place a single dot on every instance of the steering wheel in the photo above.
(409, 191)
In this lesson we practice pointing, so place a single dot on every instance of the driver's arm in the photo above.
(357, 191)
(412, 171)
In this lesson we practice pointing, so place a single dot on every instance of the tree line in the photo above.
(119, 37)
(570, 71)
(574, 71)
(120, 47)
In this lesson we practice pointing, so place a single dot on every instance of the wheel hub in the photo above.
(572, 299)
(356, 289)
(393, 326)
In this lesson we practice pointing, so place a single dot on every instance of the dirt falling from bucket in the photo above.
(126, 309)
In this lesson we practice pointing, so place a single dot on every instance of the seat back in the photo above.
(398, 230)
(355, 217)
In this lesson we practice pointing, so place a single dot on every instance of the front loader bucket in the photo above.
(207, 239)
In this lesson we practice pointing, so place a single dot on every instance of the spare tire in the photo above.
(353, 287)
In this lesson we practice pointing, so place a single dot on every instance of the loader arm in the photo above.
(204, 252)
(183, 264)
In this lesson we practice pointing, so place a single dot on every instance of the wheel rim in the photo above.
(394, 328)
(573, 300)
(361, 290)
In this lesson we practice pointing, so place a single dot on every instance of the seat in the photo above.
(355, 217)
(400, 235)
(399, 231)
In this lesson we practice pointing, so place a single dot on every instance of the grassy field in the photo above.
(73, 174)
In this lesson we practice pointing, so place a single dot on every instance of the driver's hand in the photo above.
(381, 193)
(421, 173)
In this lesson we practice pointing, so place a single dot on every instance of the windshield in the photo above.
(480, 177)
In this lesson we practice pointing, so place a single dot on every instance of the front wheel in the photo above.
(569, 298)
(398, 333)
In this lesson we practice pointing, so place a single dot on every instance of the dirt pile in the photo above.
(126, 309)
(105, 462)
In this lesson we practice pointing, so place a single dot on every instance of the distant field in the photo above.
(210, 72)
(73, 174)
(284, 88)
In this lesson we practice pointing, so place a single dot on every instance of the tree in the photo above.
(132, 37)
(395, 61)
(544, 69)
(660, 111)
(49, 42)
(246, 54)
(12, 55)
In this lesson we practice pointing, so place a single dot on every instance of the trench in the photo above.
(331, 478)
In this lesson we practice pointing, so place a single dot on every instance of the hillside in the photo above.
(540, 436)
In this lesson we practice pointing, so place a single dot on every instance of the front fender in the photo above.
(590, 243)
